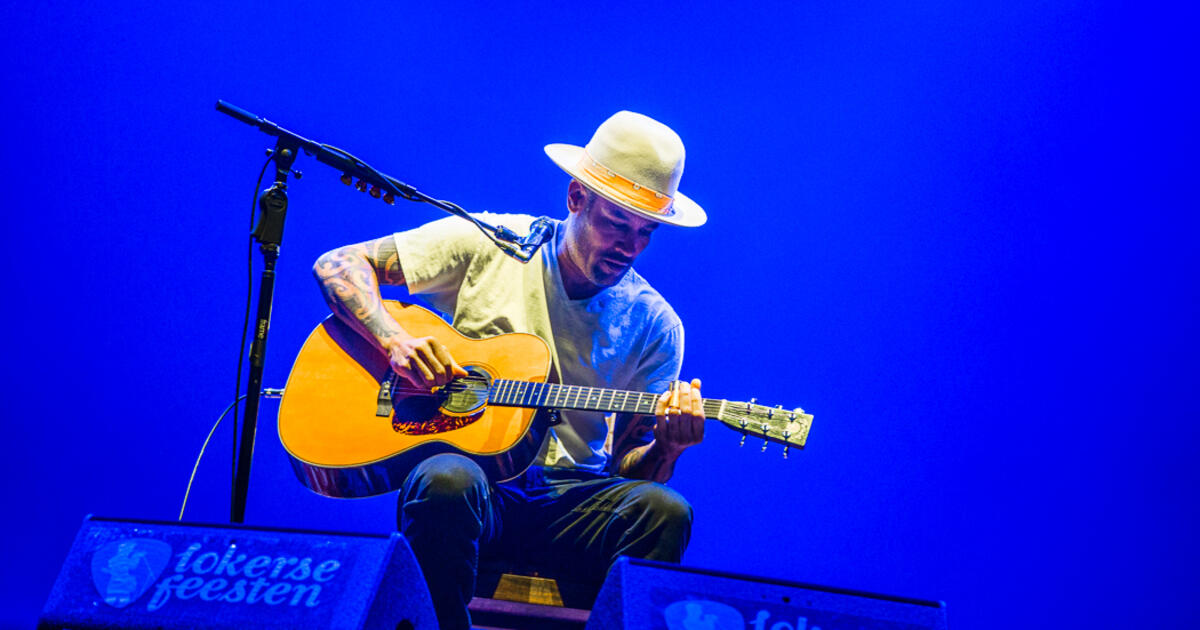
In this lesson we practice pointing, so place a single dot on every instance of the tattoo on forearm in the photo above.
(351, 287)
(634, 430)
(646, 463)
(628, 462)
(387, 262)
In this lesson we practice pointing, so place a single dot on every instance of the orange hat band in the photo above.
(625, 189)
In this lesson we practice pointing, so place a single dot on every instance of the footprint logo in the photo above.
(701, 614)
(124, 569)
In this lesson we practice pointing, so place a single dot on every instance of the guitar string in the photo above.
(480, 385)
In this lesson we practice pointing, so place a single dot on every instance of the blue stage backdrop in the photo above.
(960, 234)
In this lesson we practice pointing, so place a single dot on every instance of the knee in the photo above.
(662, 504)
(659, 524)
(446, 495)
(446, 477)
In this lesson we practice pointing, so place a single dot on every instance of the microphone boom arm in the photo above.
(520, 248)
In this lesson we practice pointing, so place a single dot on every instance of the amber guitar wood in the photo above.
(352, 430)
(330, 422)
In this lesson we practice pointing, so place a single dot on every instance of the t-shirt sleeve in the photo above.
(660, 362)
(435, 257)
(658, 367)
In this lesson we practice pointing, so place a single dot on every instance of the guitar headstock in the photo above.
(773, 424)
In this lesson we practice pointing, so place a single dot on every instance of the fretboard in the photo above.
(506, 393)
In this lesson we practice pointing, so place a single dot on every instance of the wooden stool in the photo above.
(515, 597)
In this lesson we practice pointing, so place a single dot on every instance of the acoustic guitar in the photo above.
(353, 429)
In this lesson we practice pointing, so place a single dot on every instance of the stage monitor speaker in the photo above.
(151, 574)
(650, 595)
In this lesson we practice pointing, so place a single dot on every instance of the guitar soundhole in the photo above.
(454, 406)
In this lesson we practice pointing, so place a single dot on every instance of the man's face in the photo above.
(605, 239)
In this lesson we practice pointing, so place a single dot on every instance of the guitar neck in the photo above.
(789, 428)
(506, 393)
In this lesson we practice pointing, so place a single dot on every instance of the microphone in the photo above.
(522, 248)
(540, 231)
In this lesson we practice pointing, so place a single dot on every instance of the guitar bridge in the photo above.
(383, 402)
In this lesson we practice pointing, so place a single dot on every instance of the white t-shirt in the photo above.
(624, 337)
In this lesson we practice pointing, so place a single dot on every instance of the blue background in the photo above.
(961, 234)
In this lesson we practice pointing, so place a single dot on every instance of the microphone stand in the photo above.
(272, 206)
(269, 234)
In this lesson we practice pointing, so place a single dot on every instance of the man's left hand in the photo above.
(679, 416)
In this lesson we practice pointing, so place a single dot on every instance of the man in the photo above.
(606, 327)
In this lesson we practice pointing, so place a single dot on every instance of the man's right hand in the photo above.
(349, 278)
(423, 361)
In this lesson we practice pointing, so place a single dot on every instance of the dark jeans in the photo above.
(582, 521)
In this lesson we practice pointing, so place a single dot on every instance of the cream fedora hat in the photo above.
(635, 162)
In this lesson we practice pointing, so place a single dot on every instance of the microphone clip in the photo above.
(523, 248)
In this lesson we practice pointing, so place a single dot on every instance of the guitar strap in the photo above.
(535, 281)
(537, 310)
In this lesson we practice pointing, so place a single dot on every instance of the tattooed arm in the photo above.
(678, 424)
(649, 462)
(350, 277)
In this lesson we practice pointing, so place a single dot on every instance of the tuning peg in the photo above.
(764, 447)
(347, 179)
(376, 192)
(389, 199)
(785, 450)
(361, 185)
(770, 412)
(298, 174)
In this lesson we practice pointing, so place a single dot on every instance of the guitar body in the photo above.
(349, 435)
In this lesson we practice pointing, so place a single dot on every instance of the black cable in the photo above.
(237, 392)
(203, 446)
(458, 209)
